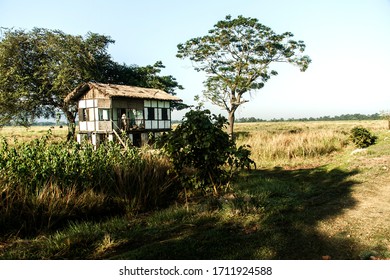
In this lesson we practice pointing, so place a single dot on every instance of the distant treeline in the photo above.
(345, 117)
(48, 123)
(41, 123)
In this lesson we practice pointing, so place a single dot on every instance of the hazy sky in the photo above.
(347, 40)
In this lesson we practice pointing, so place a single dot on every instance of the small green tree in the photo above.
(203, 155)
(361, 137)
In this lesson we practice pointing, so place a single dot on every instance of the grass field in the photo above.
(311, 197)
(23, 134)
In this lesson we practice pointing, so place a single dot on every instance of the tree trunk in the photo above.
(71, 125)
(231, 123)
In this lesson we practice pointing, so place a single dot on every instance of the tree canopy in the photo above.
(38, 68)
(236, 56)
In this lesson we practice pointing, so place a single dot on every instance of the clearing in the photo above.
(310, 198)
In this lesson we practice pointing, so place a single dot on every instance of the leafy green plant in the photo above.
(44, 185)
(203, 155)
(362, 137)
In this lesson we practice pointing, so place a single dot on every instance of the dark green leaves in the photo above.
(202, 154)
(39, 68)
(362, 137)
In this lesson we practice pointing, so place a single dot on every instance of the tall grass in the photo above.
(44, 185)
(26, 134)
(285, 145)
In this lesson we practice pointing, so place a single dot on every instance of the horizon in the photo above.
(348, 43)
(377, 116)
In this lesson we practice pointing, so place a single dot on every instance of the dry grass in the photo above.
(295, 144)
(50, 207)
(23, 134)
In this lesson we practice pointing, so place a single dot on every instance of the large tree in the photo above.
(40, 67)
(142, 76)
(236, 55)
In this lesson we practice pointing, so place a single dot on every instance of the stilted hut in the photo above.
(107, 111)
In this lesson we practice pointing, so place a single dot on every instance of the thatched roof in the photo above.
(110, 90)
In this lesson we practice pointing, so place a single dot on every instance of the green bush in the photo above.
(203, 156)
(361, 137)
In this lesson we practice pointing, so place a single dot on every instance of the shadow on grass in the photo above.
(273, 215)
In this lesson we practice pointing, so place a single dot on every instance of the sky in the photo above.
(347, 40)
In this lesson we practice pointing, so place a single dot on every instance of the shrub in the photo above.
(203, 155)
(361, 137)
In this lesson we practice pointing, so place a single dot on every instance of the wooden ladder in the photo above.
(117, 134)
(120, 139)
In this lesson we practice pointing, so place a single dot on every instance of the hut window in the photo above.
(131, 116)
(151, 114)
(135, 116)
(104, 114)
(83, 115)
(164, 114)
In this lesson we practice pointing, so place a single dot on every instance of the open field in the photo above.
(23, 134)
(294, 144)
(311, 197)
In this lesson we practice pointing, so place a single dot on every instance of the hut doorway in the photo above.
(137, 141)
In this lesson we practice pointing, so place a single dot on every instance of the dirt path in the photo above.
(368, 221)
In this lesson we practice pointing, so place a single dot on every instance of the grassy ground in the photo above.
(23, 134)
(313, 200)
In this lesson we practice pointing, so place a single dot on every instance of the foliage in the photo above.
(40, 67)
(362, 137)
(46, 184)
(236, 56)
(199, 149)
(141, 76)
